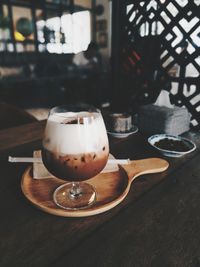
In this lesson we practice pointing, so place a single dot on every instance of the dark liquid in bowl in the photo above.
(172, 145)
(77, 167)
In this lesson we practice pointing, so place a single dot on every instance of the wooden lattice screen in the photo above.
(156, 45)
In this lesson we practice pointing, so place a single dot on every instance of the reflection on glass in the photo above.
(41, 48)
(82, 33)
(40, 23)
(19, 47)
(30, 48)
(4, 24)
(10, 47)
(77, 31)
(2, 47)
(69, 34)
(22, 23)
(4, 29)
(53, 28)
(54, 48)
(5, 10)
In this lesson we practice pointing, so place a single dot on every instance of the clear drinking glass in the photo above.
(75, 148)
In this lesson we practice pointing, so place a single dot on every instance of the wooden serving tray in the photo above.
(111, 188)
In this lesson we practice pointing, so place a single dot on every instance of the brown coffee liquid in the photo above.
(77, 167)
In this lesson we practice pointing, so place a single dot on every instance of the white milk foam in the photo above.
(65, 138)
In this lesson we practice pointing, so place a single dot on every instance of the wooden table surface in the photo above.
(158, 224)
(12, 116)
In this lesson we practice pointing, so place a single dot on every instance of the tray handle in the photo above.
(145, 166)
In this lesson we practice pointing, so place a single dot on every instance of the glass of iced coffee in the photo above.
(75, 148)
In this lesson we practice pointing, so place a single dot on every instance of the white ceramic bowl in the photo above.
(171, 153)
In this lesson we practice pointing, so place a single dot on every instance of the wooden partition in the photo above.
(155, 47)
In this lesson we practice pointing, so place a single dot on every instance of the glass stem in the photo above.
(75, 190)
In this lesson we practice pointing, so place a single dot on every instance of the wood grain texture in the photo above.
(111, 188)
(157, 224)
(21, 135)
(12, 116)
(161, 229)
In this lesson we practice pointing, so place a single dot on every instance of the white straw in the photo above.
(21, 159)
(118, 161)
(37, 160)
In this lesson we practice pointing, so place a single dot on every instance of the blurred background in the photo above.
(112, 54)
(42, 48)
